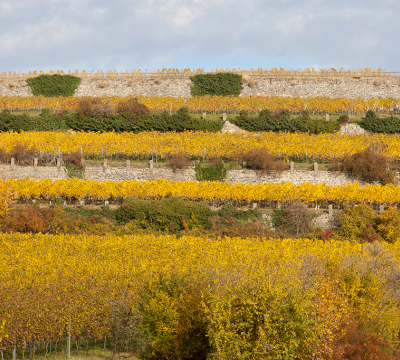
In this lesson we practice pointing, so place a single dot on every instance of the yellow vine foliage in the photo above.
(44, 279)
(174, 72)
(199, 144)
(210, 104)
(353, 193)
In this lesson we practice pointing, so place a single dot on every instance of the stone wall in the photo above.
(257, 86)
(121, 173)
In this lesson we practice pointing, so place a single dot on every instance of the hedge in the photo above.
(54, 85)
(222, 84)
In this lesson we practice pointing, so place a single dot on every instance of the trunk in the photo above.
(87, 344)
(105, 342)
(77, 348)
(2, 356)
(47, 345)
(23, 353)
(34, 348)
(55, 350)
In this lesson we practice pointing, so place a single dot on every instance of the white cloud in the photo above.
(44, 34)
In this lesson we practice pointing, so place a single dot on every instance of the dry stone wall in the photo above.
(121, 173)
(386, 87)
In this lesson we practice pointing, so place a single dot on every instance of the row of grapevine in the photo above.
(281, 192)
(139, 73)
(304, 291)
(213, 104)
(199, 144)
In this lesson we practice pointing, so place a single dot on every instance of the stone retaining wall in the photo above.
(120, 173)
(349, 87)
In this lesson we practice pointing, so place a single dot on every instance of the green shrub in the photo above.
(220, 84)
(10, 122)
(372, 123)
(211, 172)
(356, 221)
(170, 214)
(54, 85)
(173, 317)
(281, 121)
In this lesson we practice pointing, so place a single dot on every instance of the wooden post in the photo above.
(381, 209)
(327, 117)
(224, 116)
(330, 210)
(151, 167)
(35, 162)
(128, 165)
(105, 165)
(106, 203)
(58, 163)
(254, 205)
(12, 163)
(292, 168)
(204, 115)
(315, 168)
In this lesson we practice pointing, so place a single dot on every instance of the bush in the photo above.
(95, 106)
(169, 215)
(293, 219)
(280, 120)
(173, 317)
(125, 324)
(133, 110)
(356, 221)
(261, 159)
(344, 119)
(10, 122)
(220, 84)
(214, 171)
(178, 161)
(22, 154)
(54, 85)
(362, 341)
(369, 165)
(388, 125)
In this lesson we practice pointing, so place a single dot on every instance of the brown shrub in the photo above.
(369, 165)
(261, 159)
(363, 341)
(75, 159)
(294, 219)
(252, 83)
(27, 219)
(178, 161)
(4, 156)
(134, 109)
(96, 106)
(22, 154)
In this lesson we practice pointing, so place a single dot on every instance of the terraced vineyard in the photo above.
(200, 269)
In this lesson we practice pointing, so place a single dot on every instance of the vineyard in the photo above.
(138, 73)
(205, 269)
(206, 191)
(199, 144)
(177, 287)
(212, 104)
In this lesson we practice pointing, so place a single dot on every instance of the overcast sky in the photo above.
(156, 34)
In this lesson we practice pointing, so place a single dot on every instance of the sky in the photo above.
(209, 34)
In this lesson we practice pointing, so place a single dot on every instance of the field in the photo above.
(203, 269)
